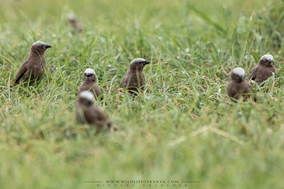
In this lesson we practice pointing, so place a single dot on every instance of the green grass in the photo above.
(183, 128)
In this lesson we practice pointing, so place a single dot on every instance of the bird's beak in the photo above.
(90, 102)
(241, 78)
(146, 62)
(269, 61)
(47, 46)
(88, 74)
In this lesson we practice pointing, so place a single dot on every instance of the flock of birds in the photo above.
(240, 87)
(87, 112)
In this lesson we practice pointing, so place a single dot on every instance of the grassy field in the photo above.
(183, 128)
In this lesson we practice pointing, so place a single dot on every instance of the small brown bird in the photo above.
(238, 86)
(134, 80)
(34, 65)
(73, 21)
(264, 69)
(90, 84)
(87, 112)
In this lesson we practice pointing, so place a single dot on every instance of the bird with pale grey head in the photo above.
(89, 83)
(134, 80)
(264, 69)
(34, 66)
(238, 85)
(88, 113)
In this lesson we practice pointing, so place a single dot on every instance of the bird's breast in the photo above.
(37, 70)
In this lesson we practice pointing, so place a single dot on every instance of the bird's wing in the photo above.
(80, 89)
(275, 71)
(98, 91)
(21, 72)
(99, 114)
(249, 88)
(253, 73)
(100, 119)
(124, 83)
(250, 91)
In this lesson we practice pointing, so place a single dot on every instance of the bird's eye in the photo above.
(42, 46)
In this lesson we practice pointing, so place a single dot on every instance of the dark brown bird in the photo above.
(90, 84)
(264, 69)
(74, 22)
(134, 80)
(238, 86)
(34, 65)
(87, 112)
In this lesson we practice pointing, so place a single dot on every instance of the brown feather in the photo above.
(87, 112)
(90, 84)
(239, 88)
(262, 71)
(134, 80)
(34, 65)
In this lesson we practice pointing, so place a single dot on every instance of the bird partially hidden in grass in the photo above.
(90, 84)
(239, 86)
(264, 69)
(74, 22)
(34, 66)
(134, 80)
(87, 112)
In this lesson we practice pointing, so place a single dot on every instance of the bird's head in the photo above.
(238, 74)
(39, 47)
(138, 64)
(89, 75)
(266, 60)
(86, 98)
(72, 18)
(111, 126)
